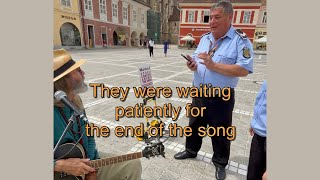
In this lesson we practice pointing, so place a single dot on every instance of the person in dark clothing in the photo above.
(165, 47)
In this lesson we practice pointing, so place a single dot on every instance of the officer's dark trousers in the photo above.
(218, 113)
(151, 51)
(258, 158)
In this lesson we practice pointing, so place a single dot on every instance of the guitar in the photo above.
(71, 150)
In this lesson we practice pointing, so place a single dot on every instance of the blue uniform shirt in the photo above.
(259, 120)
(229, 51)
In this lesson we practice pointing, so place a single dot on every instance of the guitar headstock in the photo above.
(153, 150)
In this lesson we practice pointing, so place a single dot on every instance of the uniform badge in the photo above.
(246, 52)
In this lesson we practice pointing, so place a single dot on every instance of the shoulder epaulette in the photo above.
(205, 34)
(241, 34)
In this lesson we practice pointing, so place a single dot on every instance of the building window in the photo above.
(206, 16)
(264, 19)
(142, 18)
(134, 15)
(125, 13)
(103, 6)
(114, 10)
(191, 16)
(88, 5)
(66, 3)
(246, 17)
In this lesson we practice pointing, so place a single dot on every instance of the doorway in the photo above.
(115, 38)
(104, 40)
(91, 36)
(70, 35)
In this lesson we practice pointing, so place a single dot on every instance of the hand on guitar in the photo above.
(74, 166)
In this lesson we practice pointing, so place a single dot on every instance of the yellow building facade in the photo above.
(67, 24)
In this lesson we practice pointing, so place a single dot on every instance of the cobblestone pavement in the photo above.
(119, 68)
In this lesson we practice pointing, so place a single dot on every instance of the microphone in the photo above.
(61, 96)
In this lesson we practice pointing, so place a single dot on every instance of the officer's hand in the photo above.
(251, 131)
(207, 61)
(73, 166)
(192, 65)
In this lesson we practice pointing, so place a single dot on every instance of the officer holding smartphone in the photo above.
(222, 56)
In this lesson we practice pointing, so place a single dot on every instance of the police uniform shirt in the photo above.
(233, 48)
(259, 120)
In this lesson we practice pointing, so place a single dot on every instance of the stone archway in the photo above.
(70, 35)
(141, 38)
(119, 37)
(133, 39)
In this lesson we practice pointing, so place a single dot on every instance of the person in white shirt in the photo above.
(151, 44)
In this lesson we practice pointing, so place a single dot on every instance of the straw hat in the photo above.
(63, 63)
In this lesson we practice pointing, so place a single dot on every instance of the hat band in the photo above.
(63, 68)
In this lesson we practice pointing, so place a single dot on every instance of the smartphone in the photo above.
(185, 57)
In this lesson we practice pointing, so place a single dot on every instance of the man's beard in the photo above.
(80, 87)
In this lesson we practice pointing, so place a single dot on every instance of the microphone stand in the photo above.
(70, 122)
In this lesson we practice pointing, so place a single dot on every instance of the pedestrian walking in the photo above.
(145, 44)
(165, 47)
(151, 45)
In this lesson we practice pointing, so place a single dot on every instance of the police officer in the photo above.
(258, 151)
(222, 56)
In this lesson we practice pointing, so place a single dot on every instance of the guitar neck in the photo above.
(98, 163)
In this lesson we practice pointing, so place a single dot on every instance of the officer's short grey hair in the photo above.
(226, 5)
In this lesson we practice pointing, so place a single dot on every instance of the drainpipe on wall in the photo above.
(180, 20)
(82, 23)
